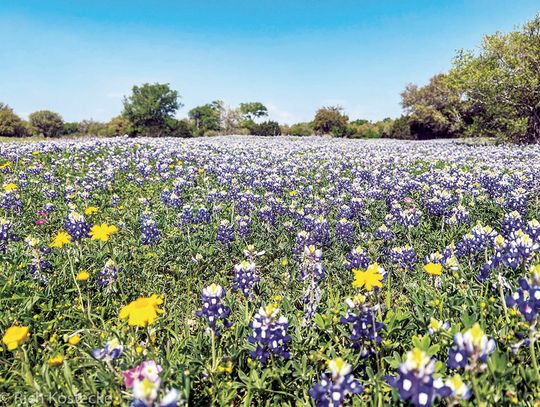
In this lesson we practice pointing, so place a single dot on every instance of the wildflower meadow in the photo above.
(244, 271)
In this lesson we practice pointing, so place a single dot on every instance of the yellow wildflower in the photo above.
(369, 278)
(74, 340)
(90, 210)
(61, 239)
(434, 269)
(15, 336)
(102, 232)
(56, 360)
(143, 311)
(10, 187)
(82, 276)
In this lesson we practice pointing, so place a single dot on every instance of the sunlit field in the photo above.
(269, 271)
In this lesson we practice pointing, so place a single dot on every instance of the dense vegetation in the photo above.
(269, 271)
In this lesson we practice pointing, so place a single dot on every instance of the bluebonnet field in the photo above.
(279, 271)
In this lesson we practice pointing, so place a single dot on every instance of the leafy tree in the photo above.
(207, 117)
(70, 128)
(11, 125)
(253, 110)
(268, 128)
(331, 120)
(301, 129)
(93, 128)
(47, 123)
(502, 84)
(181, 128)
(435, 110)
(400, 129)
(151, 108)
(118, 126)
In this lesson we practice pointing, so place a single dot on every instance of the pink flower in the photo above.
(42, 214)
(407, 200)
(41, 221)
(146, 370)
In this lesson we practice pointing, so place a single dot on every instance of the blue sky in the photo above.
(79, 57)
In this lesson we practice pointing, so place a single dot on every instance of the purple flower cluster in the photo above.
(76, 226)
(269, 334)
(245, 277)
(149, 231)
(213, 309)
(332, 390)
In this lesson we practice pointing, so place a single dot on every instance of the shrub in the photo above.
(47, 123)
(268, 128)
(11, 125)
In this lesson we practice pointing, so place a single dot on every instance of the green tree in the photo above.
(435, 110)
(150, 109)
(267, 129)
(47, 123)
(207, 117)
(11, 125)
(331, 120)
(301, 129)
(253, 110)
(118, 126)
(501, 83)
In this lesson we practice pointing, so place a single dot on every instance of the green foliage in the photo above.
(435, 110)
(502, 84)
(70, 128)
(367, 129)
(268, 128)
(331, 120)
(118, 126)
(207, 117)
(400, 129)
(46, 123)
(150, 109)
(300, 129)
(253, 110)
(11, 125)
(181, 128)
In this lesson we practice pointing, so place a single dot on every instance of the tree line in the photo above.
(150, 110)
(493, 92)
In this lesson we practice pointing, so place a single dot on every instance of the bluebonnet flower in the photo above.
(345, 230)
(39, 264)
(364, 328)
(527, 296)
(460, 391)
(458, 216)
(225, 233)
(436, 326)
(384, 233)
(5, 234)
(245, 277)
(415, 382)
(356, 259)
(512, 222)
(269, 334)
(403, 257)
(203, 216)
(471, 349)
(76, 226)
(10, 201)
(108, 275)
(213, 309)
(311, 271)
(149, 230)
(331, 391)
(112, 350)
(243, 226)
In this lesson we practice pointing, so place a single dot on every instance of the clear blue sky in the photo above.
(79, 57)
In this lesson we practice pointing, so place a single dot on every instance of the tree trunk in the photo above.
(533, 130)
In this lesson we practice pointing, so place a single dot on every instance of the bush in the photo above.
(11, 125)
(301, 129)
(70, 128)
(268, 128)
(181, 128)
(47, 123)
